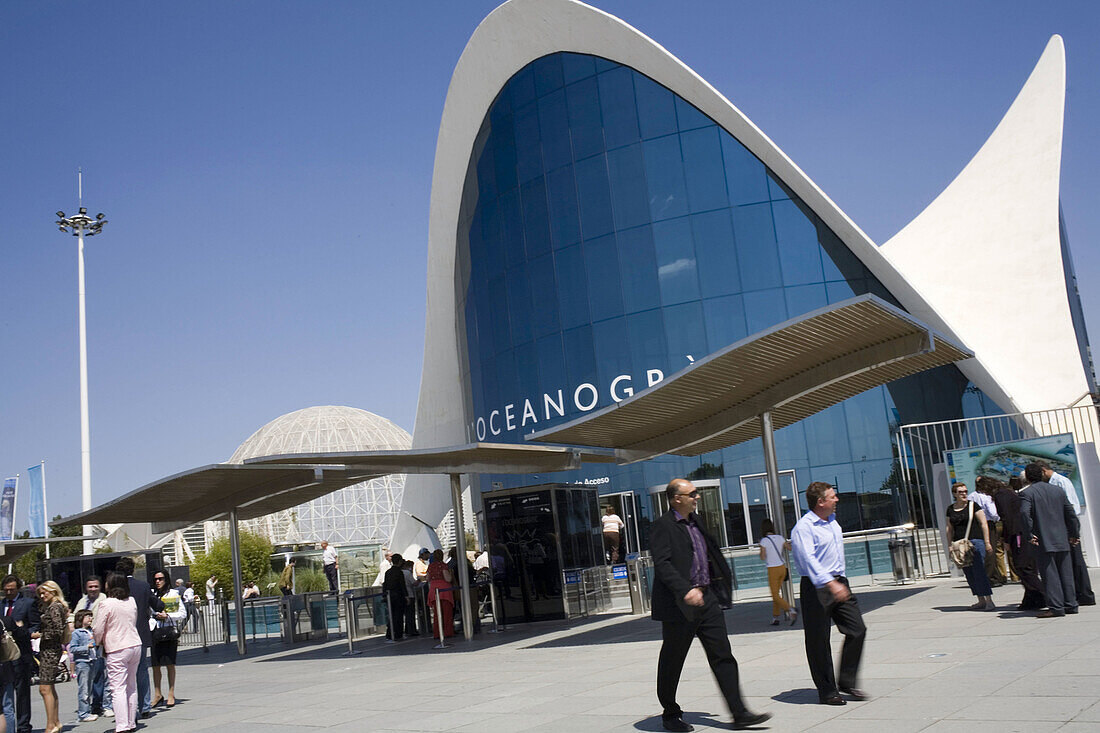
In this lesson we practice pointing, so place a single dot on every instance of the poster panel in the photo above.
(1004, 460)
(36, 502)
(7, 508)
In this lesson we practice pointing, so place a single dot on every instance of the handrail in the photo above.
(882, 530)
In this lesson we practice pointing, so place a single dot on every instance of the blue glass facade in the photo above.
(610, 234)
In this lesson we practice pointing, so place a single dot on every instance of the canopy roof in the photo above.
(264, 485)
(793, 370)
(12, 550)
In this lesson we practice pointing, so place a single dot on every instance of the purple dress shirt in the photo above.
(700, 572)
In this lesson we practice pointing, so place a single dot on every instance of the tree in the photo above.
(255, 562)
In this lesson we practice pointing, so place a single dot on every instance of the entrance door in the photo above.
(709, 507)
(754, 497)
(625, 505)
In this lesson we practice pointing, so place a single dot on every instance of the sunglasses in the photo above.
(692, 494)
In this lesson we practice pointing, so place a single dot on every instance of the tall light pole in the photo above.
(82, 224)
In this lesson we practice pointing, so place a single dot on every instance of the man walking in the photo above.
(1081, 582)
(25, 618)
(1021, 552)
(329, 563)
(691, 582)
(818, 549)
(286, 578)
(1051, 525)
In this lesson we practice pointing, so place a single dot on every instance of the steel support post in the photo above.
(775, 494)
(463, 568)
(235, 559)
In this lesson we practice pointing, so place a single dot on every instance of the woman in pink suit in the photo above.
(115, 631)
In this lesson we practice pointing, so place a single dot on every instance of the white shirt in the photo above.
(773, 546)
(1063, 483)
(329, 556)
(985, 503)
(482, 562)
(612, 523)
(818, 548)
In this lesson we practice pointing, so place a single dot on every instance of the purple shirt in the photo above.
(700, 572)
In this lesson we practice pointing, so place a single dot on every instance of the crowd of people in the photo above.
(1025, 531)
(107, 635)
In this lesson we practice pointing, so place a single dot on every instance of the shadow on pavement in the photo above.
(654, 723)
(800, 696)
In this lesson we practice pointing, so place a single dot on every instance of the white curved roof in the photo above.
(328, 428)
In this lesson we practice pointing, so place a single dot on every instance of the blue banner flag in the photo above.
(7, 508)
(36, 502)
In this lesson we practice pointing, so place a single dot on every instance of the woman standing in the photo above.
(166, 636)
(772, 547)
(115, 631)
(966, 519)
(439, 577)
(51, 636)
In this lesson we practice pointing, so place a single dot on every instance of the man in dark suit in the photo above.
(148, 604)
(1051, 524)
(24, 617)
(691, 584)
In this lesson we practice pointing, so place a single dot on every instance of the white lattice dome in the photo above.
(329, 428)
(365, 512)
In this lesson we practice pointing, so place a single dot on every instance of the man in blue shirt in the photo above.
(691, 584)
(818, 549)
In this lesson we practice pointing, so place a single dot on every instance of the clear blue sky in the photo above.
(266, 168)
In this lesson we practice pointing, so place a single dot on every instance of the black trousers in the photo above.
(1057, 570)
(330, 573)
(396, 610)
(1081, 581)
(1023, 556)
(23, 670)
(676, 636)
(819, 611)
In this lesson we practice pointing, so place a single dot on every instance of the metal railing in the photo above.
(921, 448)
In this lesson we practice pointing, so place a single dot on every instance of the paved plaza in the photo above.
(930, 664)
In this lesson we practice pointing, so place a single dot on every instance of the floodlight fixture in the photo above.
(61, 215)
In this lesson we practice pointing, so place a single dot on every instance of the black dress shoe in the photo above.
(855, 694)
(676, 724)
(835, 699)
(748, 720)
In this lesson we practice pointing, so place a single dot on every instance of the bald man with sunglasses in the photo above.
(691, 586)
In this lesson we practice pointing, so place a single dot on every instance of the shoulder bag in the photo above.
(9, 650)
(962, 550)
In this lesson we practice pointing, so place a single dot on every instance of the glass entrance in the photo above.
(709, 508)
(625, 506)
(754, 498)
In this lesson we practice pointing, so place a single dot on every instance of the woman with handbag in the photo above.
(52, 635)
(968, 539)
(772, 547)
(166, 636)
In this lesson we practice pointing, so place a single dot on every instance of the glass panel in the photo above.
(664, 172)
(799, 253)
(689, 118)
(685, 334)
(572, 287)
(709, 510)
(536, 221)
(552, 376)
(675, 261)
(565, 223)
(756, 250)
(554, 127)
(528, 143)
(584, 118)
(628, 188)
(638, 265)
(519, 304)
(716, 253)
(504, 155)
(577, 66)
(522, 88)
(511, 222)
(604, 293)
(620, 114)
(544, 296)
(764, 309)
(648, 349)
(656, 109)
(805, 298)
(827, 437)
(612, 357)
(547, 72)
(725, 321)
(581, 366)
(594, 195)
(703, 171)
(746, 177)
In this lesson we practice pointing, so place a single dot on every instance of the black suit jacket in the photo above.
(25, 610)
(671, 550)
(147, 602)
(1045, 512)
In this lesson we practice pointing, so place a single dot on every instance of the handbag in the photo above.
(9, 650)
(61, 676)
(167, 632)
(962, 551)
